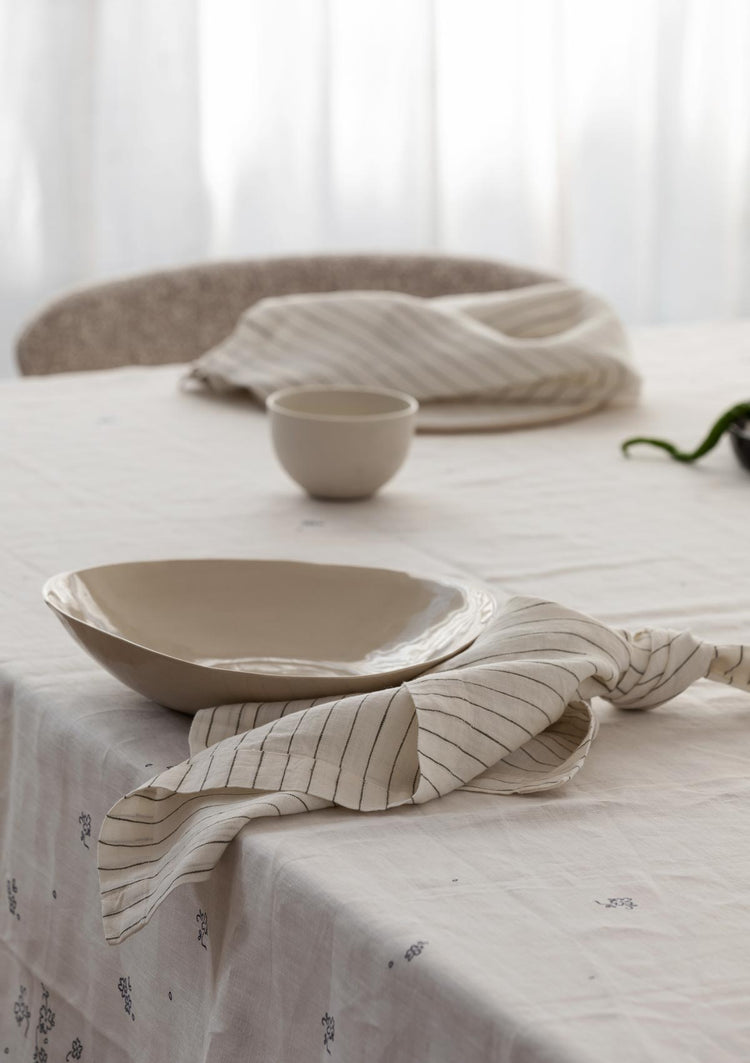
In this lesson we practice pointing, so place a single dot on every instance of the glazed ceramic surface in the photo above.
(195, 633)
(341, 442)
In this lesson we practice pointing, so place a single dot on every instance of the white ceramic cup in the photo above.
(341, 442)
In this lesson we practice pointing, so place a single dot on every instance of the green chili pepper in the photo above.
(717, 431)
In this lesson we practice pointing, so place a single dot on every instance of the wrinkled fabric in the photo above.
(511, 714)
(532, 355)
(606, 919)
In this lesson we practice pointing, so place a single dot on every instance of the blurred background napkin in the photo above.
(508, 359)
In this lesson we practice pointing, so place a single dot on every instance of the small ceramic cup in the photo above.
(341, 442)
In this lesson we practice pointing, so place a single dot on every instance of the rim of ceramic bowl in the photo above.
(275, 404)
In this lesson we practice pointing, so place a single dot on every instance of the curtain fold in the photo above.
(606, 141)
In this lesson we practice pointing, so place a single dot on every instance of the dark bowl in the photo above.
(740, 433)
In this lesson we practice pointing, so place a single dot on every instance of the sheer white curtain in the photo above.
(608, 139)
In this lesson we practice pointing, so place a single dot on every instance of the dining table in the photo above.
(606, 920)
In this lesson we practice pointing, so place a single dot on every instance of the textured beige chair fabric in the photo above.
(175, 315)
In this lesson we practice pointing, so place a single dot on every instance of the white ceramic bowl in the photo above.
(341, 442)
(194, 633)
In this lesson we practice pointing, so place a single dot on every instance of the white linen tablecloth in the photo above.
(605, 920)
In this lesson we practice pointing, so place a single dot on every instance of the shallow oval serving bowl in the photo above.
(195, 633)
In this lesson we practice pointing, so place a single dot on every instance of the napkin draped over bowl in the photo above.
(509, 715)
(507, 359)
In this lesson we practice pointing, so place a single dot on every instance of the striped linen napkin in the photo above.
(505, 359)
(509, 715)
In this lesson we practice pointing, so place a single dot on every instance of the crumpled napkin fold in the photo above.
(509, 715)
(540, 353)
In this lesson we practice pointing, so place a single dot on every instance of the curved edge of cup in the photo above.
(274, 403)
